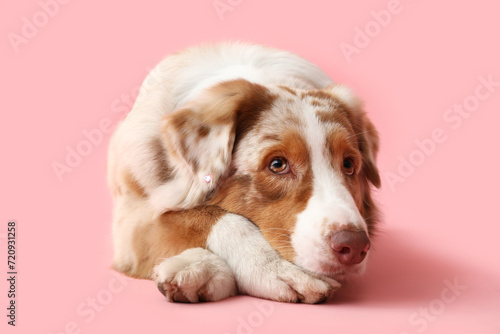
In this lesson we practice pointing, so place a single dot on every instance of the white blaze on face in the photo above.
(330, 206)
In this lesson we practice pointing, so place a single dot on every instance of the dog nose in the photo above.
(350, 247)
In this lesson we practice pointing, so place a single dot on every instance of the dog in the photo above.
(243, 169)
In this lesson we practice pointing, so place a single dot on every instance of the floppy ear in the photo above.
(199, 137)
(367, 135)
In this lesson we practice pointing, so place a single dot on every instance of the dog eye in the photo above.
(279, 165)
(348, 166)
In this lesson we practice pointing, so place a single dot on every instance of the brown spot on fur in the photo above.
(195, 165)
(133, 185)
(203, 131)
(180, 119)
(288, 89)
(274, 138)
(335, 116)
(171, 234)
(325, 116)
(163, 170)
(317, 103)
(341, 143)
(319, 94)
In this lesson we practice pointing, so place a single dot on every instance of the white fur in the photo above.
(259, 269)
(196, 273)
(128, 213)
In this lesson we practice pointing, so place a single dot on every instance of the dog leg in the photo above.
(259, 269)
(172, 245)
(193, 276)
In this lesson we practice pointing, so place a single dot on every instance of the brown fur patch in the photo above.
(341, 143)
(317, 103)
(234, 99)
(318, 94)
(336, 116)
(271, 137)
(203, 131)
(272, 201)
(325, 116)
(250, 110)
(171, 234)
(133, 185)
(180, 119)
(288, 89)
(162, 169)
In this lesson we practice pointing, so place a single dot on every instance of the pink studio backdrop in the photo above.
(69, 68)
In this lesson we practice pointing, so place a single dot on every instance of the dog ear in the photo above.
(199, 137)
(367, 135)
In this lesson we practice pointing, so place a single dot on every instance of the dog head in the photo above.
(297, 163)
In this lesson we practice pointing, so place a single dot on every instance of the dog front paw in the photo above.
(285, 282)
(196, 275)
(307, 288)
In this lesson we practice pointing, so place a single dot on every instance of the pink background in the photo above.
(441, 223)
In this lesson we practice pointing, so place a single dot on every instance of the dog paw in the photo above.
(289, 283)
(196, 275)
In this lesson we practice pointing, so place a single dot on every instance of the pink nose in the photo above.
(350, 247)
